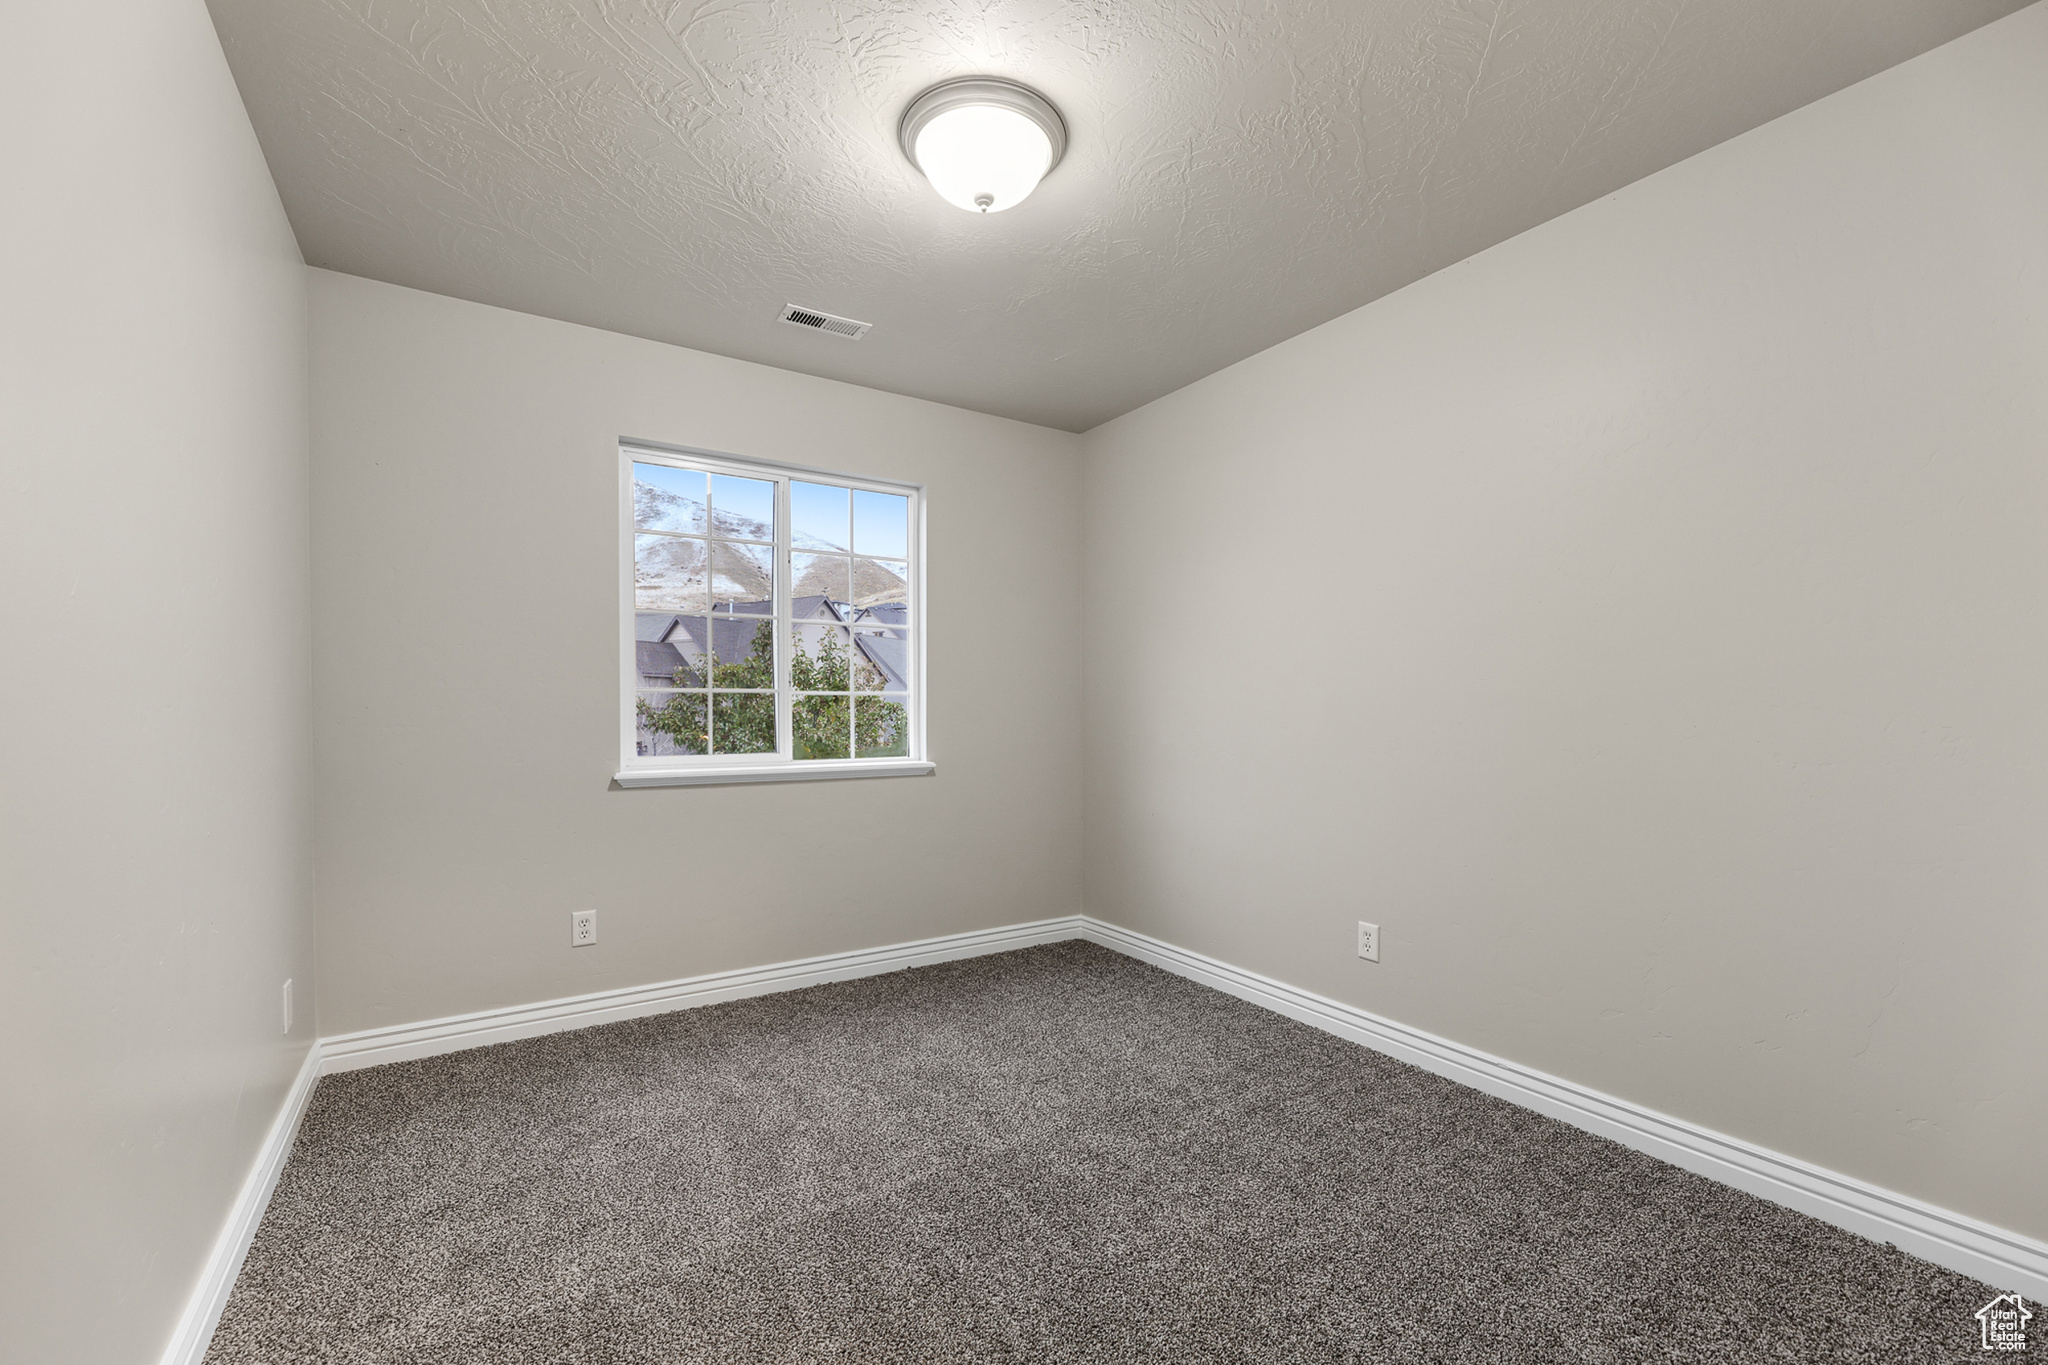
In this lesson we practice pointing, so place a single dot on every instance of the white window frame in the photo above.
(677, 770)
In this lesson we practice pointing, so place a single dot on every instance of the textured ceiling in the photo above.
(1240, 170)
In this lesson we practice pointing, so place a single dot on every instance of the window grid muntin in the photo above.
(729, 540)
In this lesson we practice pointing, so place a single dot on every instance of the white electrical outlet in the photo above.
(1369, 941)
(287, 1009)
(582, 928)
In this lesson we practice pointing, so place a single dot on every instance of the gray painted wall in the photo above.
(155, 856)
(1643, 621)
(466, 563)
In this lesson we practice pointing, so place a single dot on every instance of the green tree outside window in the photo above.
(745, 723)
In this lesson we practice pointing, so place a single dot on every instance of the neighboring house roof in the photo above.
(667, 641)
(814, 608)
(659, 660)
(734, 635)
(889, 654)
(817, 608)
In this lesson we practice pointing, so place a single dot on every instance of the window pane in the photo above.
(742, 578)
(820, 727)
(882, 726)
(818, 579)
(817, 517)
(670, 572)
(744, 652)
(881, 524)
(881, 582)
(818, 658)
(744, 508)
(669, 723)
(881, 660)
(666, 499)
(669, 649)
(742, 723)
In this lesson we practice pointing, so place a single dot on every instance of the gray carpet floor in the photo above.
(1051, 1155)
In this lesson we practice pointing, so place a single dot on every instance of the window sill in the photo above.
(779, 772)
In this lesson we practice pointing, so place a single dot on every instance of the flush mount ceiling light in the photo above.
(983, 142)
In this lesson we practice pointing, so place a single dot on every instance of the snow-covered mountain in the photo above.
(675, 573)
(657, 509)
(874, 582)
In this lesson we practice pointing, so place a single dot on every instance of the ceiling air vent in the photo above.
(824, 322)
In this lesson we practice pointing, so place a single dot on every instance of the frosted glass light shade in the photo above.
(984, 144)
(983, 158)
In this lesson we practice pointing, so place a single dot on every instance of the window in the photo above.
(772, 623)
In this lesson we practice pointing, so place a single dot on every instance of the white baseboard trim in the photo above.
(202, 1311)
(1999, 1257)
(403, 1042)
